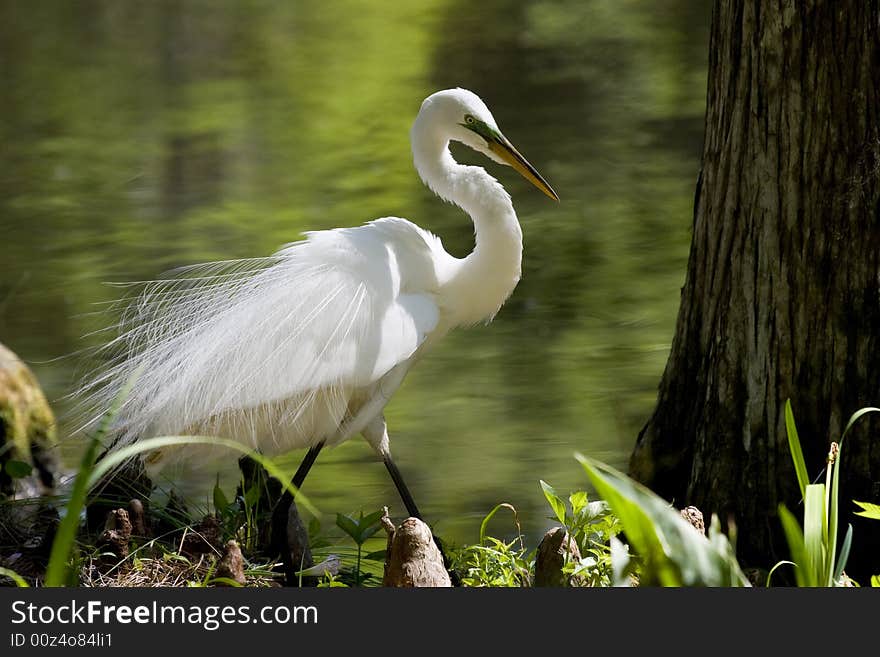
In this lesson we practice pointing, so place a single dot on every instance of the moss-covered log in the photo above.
(28, 439)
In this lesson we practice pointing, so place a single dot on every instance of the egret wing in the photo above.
(312, 324)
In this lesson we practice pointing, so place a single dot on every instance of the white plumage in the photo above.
(308, 345)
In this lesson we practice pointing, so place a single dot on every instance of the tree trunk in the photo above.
(782, 296)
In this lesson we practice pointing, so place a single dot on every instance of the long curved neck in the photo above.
(480, 283)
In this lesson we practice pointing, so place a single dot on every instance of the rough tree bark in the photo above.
(782, 296)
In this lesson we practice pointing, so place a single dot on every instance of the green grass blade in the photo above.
(844, 555)
(226, 581)
(833, 517)
(794, 446)
(57, 570)
(14, 576)
(485, 523)
(65, 537)
(555, 501)
(855, 417)
(816, 535)
(794, 535)
(833, 505)
(773, 569)
(868, 510)
(220, 501)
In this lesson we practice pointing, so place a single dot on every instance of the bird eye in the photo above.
(469, 119)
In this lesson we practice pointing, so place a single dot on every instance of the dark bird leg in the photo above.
(413, 511)
(405, 495)
(291, 551)
(308, 461)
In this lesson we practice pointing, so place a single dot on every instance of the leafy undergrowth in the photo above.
(661, 547)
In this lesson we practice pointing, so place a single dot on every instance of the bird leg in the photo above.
(300, 475)
(405, 495)
(413, 511)
(281, 521)
(375, 432)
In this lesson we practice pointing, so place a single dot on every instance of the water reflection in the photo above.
(143, 136)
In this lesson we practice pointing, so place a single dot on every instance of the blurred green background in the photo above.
(140, 136)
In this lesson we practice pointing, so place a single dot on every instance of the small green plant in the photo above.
(591, 525)
(17, 469)
(360, 529)
(670, 551)
(814, 547)
(870, 511)
(494, 562)
(240, 518)
(330, 581)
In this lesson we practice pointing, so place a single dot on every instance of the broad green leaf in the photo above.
(620, 562)
(252, 495)
(815, 533)
(875, 581)
(868, 510)
(794, 535)
(220, 501)
(555, 501)
(348, 525)
(18, 469)
(376, 555)
(794, 446)
(844, 554)
(672, 551)
(372, 518)
(368, 530)
(596, 509)
(578, 501)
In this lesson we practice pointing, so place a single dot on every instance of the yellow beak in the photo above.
(505, 150)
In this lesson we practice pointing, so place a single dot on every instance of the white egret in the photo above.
(305, 348)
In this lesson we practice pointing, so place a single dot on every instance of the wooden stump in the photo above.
(555, 549)
(203, 538)
(138, 517)
(115, 537)
(231, 564)
(413, 559)
(695, 517)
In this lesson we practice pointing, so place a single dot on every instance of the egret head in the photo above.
(462, 116)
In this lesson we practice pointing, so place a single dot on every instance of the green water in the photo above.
(140, 136)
